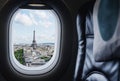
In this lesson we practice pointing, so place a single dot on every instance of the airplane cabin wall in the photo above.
(73, 6)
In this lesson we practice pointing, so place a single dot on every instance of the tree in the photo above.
(19, 56)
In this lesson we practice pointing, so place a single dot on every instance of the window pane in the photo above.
(34, 36)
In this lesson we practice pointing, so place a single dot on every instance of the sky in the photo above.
(25, 21)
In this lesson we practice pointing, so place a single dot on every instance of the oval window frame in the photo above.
(41, 69)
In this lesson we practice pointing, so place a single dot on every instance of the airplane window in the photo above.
(34, 40)
(37, 40)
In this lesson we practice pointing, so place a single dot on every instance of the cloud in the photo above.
(46, 23)
(22, 39)
(23, 19)
(45, 38)
(41, 14)
(41, 38)
(43, 17)
(38, 18)
(33, 19)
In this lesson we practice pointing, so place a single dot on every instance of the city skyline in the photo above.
(25, 21)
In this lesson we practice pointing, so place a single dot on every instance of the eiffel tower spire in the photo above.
(34, 35)
(34, 44)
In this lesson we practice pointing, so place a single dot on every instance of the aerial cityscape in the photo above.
(33, 55)
(33, 36)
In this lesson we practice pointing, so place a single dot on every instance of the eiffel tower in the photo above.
(34, 44)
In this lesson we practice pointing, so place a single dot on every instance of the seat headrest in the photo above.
(106, 18)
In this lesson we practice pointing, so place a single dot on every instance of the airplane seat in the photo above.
(87, 69)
